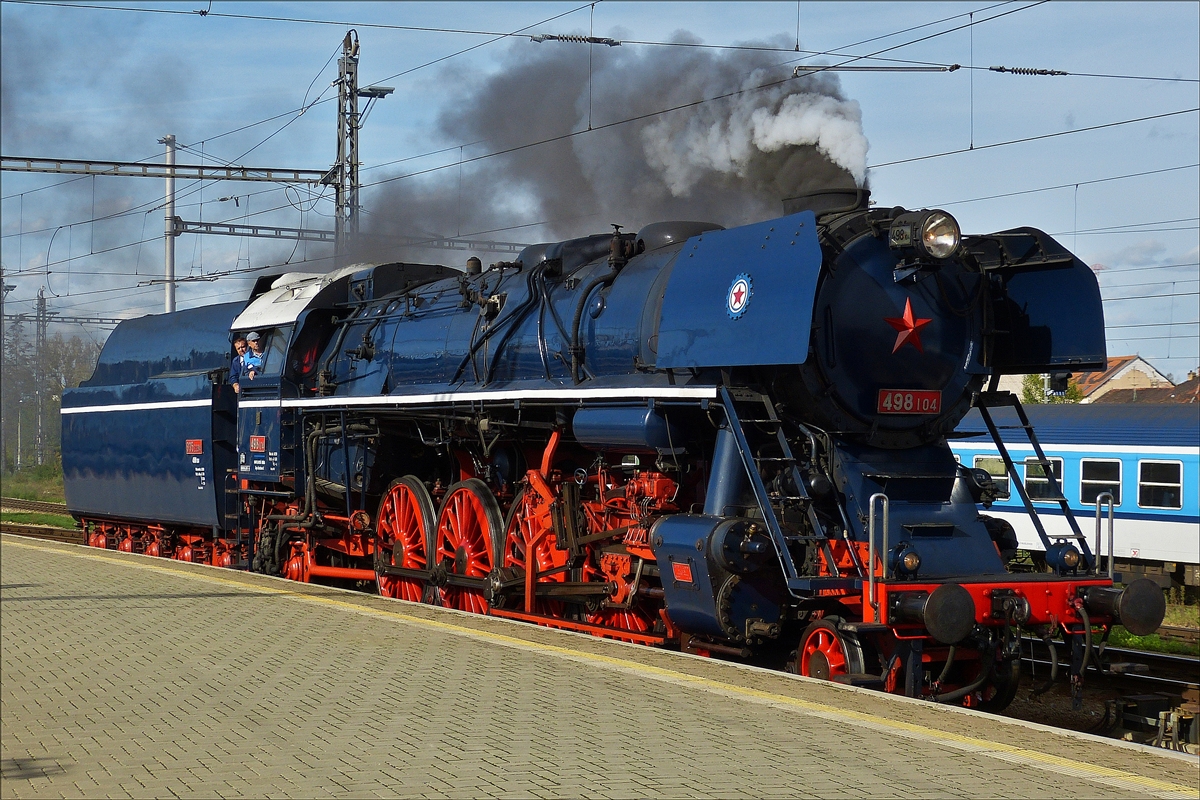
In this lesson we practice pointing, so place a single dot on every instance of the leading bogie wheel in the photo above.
(469, 533)
(404, 531)
(1002, 687)
(825, 652)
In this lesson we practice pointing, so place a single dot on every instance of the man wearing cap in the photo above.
(253, 360)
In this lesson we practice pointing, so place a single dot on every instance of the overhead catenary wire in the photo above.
(1150, 296)
(1034, 138)
(1107, 270)
(1065, 185)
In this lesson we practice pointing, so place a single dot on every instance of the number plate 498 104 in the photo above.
(909, 401)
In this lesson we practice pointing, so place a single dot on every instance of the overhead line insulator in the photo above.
(1028, 71)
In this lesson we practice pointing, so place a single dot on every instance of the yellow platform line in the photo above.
(1106, 776)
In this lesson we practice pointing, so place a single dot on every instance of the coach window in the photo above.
(1160, 484)
(1097, 477)
(1036, 482)
(994, 466)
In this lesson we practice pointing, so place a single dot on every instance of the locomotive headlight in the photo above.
(906, 560)
(1063, 556)
(930, 234)
(940, 234)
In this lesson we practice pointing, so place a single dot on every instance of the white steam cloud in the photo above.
(685, 148)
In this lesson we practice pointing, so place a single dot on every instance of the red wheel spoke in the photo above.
(401, 535)
(467, 528)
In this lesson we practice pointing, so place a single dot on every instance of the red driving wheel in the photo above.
(825, 652)
(403, 529)
(469, 527)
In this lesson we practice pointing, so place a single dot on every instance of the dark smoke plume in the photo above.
(729, 161)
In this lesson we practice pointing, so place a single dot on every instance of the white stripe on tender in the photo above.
(666, 392)
(139, 406)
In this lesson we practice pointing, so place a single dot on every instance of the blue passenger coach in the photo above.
(1146, 456)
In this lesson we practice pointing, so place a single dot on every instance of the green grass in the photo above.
(37, 518)
(43, 483)
(1185, 616)
(1152, 643)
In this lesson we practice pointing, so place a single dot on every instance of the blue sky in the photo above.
(107, 84)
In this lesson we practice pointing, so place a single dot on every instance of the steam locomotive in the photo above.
(731, 441)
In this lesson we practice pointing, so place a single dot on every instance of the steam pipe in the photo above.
(616, 260)
(577, 350)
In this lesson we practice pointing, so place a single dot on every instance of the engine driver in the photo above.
(238, 367)
(253, 360)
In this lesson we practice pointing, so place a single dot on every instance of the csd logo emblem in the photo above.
(738, 299)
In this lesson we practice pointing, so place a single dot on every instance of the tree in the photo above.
(1033, 390)
(16, 393)
(65, 363)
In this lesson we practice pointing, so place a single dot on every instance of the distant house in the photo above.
(1124, 372)
(1186, 392)
(1125, 375)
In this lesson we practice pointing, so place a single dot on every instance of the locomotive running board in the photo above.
(994, 399)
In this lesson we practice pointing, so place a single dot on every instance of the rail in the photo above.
(1141, 668)
(34, 505)
(67, 535)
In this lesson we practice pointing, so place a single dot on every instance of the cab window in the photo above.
(275, 344)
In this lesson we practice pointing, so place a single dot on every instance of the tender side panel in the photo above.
(146, 451)
(742, 297)
(126, 431)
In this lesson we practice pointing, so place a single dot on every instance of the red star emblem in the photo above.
(738, 294)
(908, 327)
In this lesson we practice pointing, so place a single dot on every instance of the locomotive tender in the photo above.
(730, 441)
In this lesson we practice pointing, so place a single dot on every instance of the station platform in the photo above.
(123, 675)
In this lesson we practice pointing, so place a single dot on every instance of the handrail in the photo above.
(883, 498)
(1100, 499)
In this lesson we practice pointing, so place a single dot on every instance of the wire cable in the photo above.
(1034, 138)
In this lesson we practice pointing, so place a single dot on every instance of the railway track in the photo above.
(67, 535)
(39, 506)
(1138, 669)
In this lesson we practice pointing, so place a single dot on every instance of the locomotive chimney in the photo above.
(474, 266)
(828, 201)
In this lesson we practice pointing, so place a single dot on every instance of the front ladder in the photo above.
(993, 399)
(758, 412)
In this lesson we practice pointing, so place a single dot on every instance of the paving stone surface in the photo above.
(122, 676)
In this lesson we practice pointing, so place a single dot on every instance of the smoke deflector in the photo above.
(779, 262)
